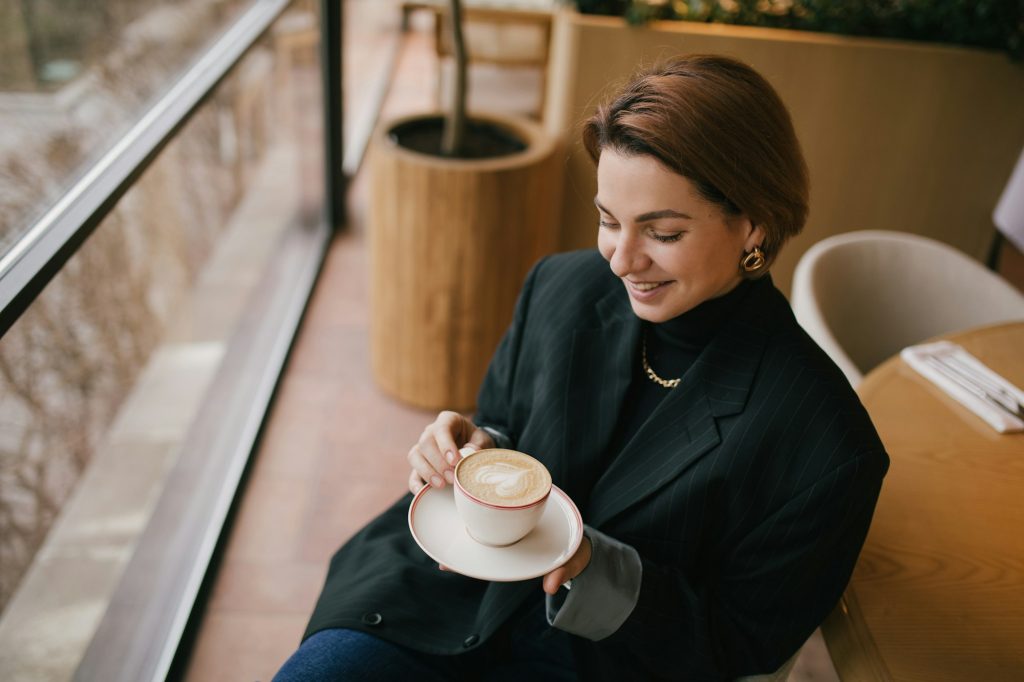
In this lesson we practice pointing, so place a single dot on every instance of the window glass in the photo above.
(74, 75)
(101, 377)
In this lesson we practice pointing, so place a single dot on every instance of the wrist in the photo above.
(497, 438)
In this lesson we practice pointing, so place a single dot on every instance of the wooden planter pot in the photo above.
(450, 243)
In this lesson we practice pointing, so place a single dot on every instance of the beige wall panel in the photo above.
(898, 136)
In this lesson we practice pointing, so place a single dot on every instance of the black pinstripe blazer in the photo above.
(747, 493)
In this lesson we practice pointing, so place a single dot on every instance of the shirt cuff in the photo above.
(501, 440)
(603, 595)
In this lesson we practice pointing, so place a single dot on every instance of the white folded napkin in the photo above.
(923, 359)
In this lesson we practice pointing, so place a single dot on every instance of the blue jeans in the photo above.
(526, 648)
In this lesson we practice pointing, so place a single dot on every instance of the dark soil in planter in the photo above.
(484, 140)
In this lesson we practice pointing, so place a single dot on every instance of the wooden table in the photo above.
(938, 593)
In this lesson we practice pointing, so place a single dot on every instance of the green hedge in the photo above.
(993, 24)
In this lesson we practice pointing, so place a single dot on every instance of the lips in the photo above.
(645, 286)
(643, 291)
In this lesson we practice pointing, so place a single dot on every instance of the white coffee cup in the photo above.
(500, 494)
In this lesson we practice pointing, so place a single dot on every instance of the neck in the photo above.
(697, 326)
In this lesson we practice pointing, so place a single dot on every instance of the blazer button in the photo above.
(372, 618)
(470, 641)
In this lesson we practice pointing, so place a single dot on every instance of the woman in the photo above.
(725, 470)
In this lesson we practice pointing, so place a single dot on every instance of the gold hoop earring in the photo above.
(753, 261)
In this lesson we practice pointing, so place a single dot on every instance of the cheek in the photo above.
(717, 251)
(696, 262)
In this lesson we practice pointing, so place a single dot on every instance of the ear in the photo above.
(754, 238)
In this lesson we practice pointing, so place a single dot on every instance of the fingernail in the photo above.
(436, 482)
(449, 476)
(450, 456)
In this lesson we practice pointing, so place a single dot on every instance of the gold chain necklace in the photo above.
(664, 383)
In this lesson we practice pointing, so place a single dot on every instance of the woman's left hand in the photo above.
(570, 569)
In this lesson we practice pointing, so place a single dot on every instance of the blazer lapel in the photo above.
(600, 372)
(683, 428)
(680, 431)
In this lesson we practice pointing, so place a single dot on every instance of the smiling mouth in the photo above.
(645, 286)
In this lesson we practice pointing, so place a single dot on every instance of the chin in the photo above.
(651, 314)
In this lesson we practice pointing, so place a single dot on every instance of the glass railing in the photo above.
(74, 77)
(175, 311)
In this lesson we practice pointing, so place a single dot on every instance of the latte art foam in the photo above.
(505, 480)
(504, 477)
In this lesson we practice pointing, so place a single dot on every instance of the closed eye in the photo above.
(667, 238)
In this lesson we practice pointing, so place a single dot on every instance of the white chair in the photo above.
(863, 296)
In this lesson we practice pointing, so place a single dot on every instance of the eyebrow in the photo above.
(650, 215)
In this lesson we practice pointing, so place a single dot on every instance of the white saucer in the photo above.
(439, 531)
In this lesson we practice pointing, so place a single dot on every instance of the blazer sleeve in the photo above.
(495, 399)
(776, 585)
(603, 595)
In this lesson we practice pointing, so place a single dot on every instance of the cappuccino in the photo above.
(504, 478)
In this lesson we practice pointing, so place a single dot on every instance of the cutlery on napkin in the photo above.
(970, 382)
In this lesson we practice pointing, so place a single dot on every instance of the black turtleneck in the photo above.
(672, 348)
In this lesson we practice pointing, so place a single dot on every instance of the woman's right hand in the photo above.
(435, 455)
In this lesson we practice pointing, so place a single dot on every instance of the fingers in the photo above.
(428, 458)
(428, 464)
(436, 453)
(449, 433)
(570, 569)
(554, 580)
(415, 482)
(481, 439)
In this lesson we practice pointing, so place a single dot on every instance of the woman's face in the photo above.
(672, 248)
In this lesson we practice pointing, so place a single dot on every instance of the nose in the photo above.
(628, 256)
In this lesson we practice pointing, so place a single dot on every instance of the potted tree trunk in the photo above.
(462, 204)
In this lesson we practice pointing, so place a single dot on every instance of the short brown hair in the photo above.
(721, 125)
